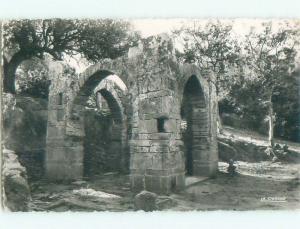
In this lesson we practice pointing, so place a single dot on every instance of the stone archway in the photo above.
(114, 158)
(156, 84)
(194, 113)
(65, 131)
(196, 87)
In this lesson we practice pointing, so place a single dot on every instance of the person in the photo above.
(231, 167)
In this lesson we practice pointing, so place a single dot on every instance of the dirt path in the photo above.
(263, 185)
(254, 137)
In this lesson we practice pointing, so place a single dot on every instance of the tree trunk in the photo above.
(10, 69)
(219, 121)
(271, 123)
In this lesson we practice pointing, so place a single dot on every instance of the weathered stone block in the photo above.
(160, 136)
(152, 183)
(64, 170)
(144, 136)
(137, 182)
(145, 201)
(55, 131)
(144, 143)
(166, 184)
(205, 168)
(148, 126)
(168, 105)
(144, 149)
(74, 154)
(56, 142)
(180, 181)
(150, 106)
(138, 161)
(52, 116)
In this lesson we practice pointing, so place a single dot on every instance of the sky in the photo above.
(150, 27)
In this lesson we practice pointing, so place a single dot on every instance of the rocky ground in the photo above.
(16, 195)
(263, 185)
(107, 192)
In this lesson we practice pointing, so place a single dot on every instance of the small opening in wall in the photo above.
(60, 98)
(161, 124)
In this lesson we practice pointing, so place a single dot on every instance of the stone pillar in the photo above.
(64, 155)
(213, 157)
(157, 163)
(64, 146)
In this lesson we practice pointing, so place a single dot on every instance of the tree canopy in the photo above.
(211, 47)
(269, 89)
(93, 39)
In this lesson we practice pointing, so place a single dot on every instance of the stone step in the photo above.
(193, 180)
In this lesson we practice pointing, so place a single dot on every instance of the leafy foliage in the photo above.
(211, 47)
(271, 55)
(32, 78)
(287, 108)
(93, 39)
(244, 103)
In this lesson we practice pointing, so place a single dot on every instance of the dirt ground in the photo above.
(263, 186)
(256, 186)
(254, 137)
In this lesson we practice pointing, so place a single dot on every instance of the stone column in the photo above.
(64, 146)
(157, 163)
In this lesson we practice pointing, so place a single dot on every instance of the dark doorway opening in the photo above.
(103, 135)
(194, 124)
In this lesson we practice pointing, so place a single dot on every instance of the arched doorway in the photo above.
(101, 133)
(103, 142)
(194, 114)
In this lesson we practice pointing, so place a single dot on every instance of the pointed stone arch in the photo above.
(64, 157)
(156, 84)
(198, 111)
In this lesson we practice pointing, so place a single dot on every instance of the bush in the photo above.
(242, 108)
(32, 79)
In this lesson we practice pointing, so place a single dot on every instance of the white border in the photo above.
(151, 9)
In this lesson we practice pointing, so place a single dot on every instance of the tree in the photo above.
(33, 78)
(287, 108)
(242, 102)
(271, 56)
(93, 39)
(211, 47)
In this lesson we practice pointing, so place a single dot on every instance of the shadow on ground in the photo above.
(256, 186)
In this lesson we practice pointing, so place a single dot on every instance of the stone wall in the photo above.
(24, 128)
(155, 83)
(16, 189)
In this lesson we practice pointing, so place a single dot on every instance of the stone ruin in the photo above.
(166, 118)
